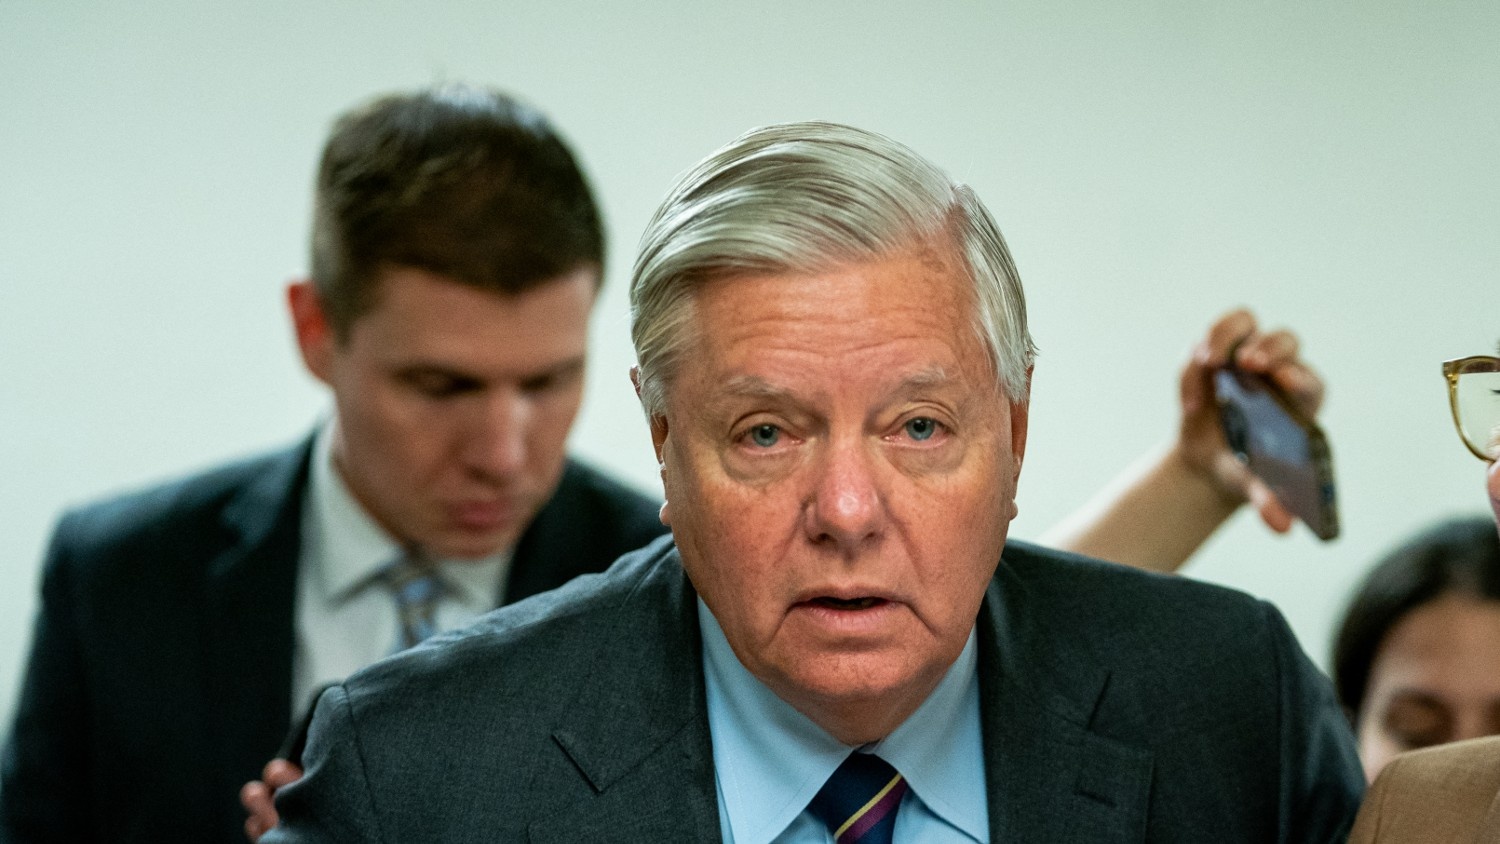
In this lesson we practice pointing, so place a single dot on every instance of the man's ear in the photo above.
(1020, 413)
(315, 335)
(658, 442)
(658, 438)
(657, 422)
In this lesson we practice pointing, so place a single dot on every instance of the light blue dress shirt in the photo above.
(770, 759)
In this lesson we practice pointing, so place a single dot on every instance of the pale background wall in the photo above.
(1332, 163)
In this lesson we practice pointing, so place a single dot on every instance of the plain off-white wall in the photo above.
(1332, 164)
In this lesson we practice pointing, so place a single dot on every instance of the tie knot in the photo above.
(411, 579)
(416, 586)
(859, 802)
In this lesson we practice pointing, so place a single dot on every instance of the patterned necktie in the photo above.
(415, 585)
(859, 802)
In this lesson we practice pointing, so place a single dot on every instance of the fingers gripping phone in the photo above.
(1280, 445)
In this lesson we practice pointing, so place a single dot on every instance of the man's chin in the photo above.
(474, 532)
(473, 545)
(855, 682)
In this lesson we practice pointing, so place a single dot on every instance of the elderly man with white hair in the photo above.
(837, 643)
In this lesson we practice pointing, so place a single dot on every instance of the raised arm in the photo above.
(1157, 514)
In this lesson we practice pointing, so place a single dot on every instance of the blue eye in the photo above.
(765, 436)
(921, 428)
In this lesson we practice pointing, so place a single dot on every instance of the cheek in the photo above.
(968, 517)
(1374, 752)
(724, 566)
(556, 410)
(367, 419)
(982, 513)
(411, 460)
(1494, 488)
(1375, 744)
(712, 523)
(413, 446)
(728, 535)
(549, 426)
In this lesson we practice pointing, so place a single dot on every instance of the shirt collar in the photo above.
(770, 759)
(347, 544)
(477, 583)
(348, 548)
(939, 749)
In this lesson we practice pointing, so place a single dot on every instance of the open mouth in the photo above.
(848, 603)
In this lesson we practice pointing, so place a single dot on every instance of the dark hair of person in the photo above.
(463, 182)
(1459, 556)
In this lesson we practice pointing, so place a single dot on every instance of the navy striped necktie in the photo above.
(859, 802)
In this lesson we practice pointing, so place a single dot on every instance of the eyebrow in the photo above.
(752, 386)
(1422, 696)
(932, 376)
(563, 367)
(421, 367)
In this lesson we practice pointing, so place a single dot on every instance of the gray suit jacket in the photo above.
(1116, 706)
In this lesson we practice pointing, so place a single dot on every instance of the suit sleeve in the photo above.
(45, 770)
(333, 801)
(1321, 778)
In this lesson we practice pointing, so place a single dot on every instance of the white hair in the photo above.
(802, 197)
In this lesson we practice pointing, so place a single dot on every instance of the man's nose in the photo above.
(846, 508)
(496, 444)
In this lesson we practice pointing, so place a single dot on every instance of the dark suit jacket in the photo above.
(1116, 706)
(160, 672)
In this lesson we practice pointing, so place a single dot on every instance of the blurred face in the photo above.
(840, 468)
(453, 404)
(1435, 679)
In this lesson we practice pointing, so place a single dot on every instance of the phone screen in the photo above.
(1282, 447)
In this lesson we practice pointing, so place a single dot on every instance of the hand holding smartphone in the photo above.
(1280, 444)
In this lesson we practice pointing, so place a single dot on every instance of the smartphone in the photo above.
(1280, 445)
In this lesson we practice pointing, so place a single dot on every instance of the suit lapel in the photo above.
(1050, 778)
(638, 733)
(250, 594)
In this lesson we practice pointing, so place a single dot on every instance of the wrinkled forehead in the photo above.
(911, 313)
(933, 264)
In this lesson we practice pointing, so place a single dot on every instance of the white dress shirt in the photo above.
(346, 618)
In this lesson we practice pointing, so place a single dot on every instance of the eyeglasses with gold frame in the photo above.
(1474, 399)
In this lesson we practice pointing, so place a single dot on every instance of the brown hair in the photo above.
(460, 181)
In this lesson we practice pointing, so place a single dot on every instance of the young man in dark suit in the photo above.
(456, 253)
